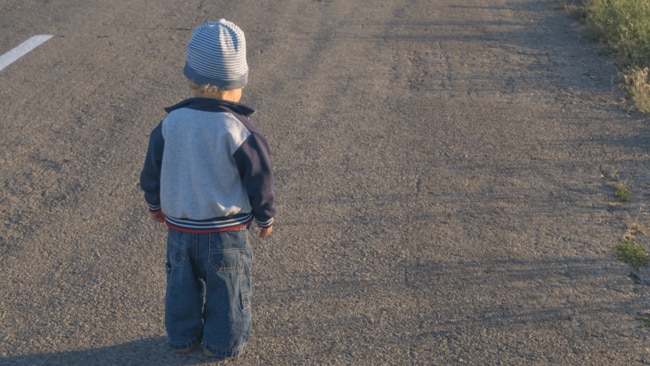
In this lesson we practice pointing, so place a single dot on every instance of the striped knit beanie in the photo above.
(216, 55)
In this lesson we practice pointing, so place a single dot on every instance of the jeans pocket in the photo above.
(226, 251)
(175, 249)
(225, 260)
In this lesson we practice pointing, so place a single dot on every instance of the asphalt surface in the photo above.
(443, 182)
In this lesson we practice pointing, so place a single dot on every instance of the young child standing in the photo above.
(207, 176)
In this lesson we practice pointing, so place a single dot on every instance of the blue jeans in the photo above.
(209, 291)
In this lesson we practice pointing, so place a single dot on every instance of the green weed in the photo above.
(631, 253)
(623, 28)
(645, 320)
(621, 193)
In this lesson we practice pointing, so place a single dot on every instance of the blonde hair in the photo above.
(206, 89)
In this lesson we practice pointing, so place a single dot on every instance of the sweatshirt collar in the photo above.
(212, 105)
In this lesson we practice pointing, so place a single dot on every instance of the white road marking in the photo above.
(22, 49)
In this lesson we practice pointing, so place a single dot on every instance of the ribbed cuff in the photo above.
(266, 223)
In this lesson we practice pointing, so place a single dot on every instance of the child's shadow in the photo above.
(150, 351)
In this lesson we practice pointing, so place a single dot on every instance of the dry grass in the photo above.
(637, 86)
(633, 229)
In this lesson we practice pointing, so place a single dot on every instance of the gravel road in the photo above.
(443, 183)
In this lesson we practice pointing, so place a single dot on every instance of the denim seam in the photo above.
(225, 352)
(184, 344)
(244, 275)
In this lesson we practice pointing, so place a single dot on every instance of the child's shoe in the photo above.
(209, 354)
(185, 351)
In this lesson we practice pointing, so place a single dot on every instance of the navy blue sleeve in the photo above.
(254, 165)
(150, 175)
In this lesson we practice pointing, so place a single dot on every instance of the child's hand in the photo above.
(265, 231)
(157, 216)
